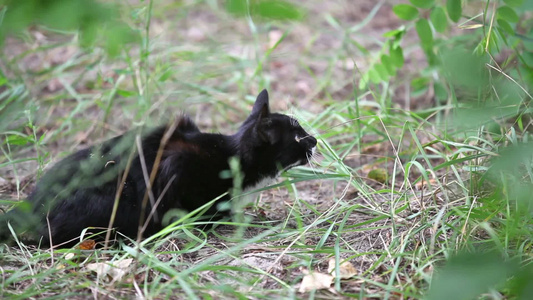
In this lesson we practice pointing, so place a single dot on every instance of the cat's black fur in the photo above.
(79, 191)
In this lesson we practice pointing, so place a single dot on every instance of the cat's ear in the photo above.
(263, 123)
(260, 108)
(259, 119)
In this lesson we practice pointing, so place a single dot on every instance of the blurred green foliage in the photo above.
(269, 9)
(431, 20)
(467, 275)
(486, 75)
(92, 19)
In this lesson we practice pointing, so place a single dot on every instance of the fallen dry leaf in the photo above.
(69, 256)
(273, 37)
(196, 34)
(54, 85)
(115, 270)
(303, 86)
(87, 245)
(424, 184)
(378, 149)
(346, 269)
(315, 281)
(61, 55)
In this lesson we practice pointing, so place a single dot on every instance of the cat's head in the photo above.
(273, 140)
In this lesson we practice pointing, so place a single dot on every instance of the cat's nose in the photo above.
(311, 141)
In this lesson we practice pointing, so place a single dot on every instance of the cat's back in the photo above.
(98, 164)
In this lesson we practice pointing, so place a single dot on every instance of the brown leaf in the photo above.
(379, 149)
(315, 281)
(87, 245)
(114, 270)
(346, 269)
(303, 86)
(273, 37)
(61, 55)
(196, 34)
(54, 85)
(424, 184)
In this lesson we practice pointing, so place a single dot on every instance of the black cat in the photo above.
(80, 191)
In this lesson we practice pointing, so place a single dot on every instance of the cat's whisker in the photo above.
(310, 160)
(314, 157)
